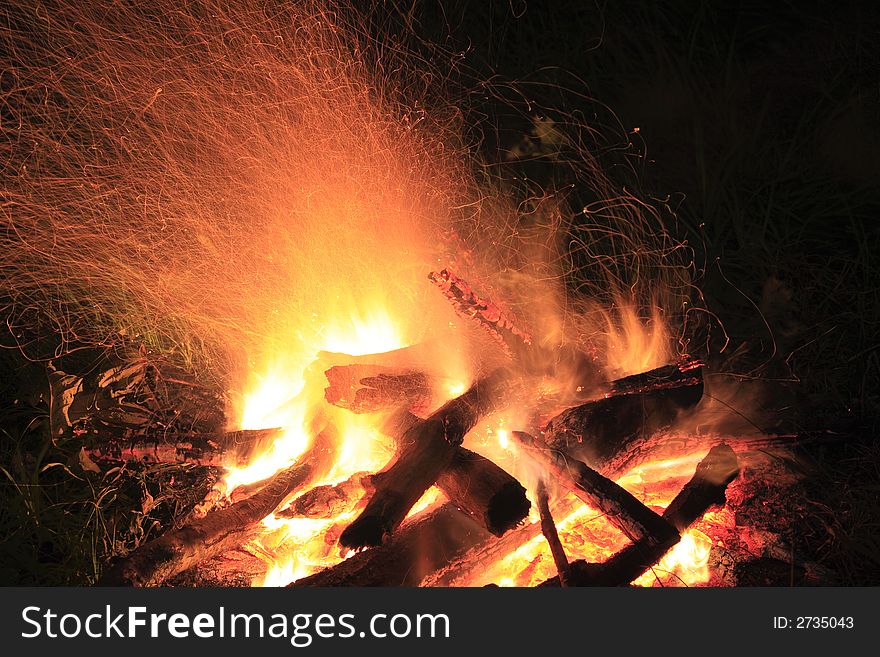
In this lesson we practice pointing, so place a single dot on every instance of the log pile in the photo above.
(705, 490)
(484, 501)
(652, 534)
(473, 483)
(219, 530)
(124, 416)
(633, 518)
(424, 451)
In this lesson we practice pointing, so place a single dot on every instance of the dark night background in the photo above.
(759, 121)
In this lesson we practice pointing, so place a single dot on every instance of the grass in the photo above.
(840, 528)
(53, 516)
(60, 522)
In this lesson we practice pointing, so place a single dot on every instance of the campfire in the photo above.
(374, 360)
(536, 473)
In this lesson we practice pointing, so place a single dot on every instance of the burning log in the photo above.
(326, 501)
(369, 388)
(565, 362)
(548, 528)
(623, 510)
(496, 321)
(598, 431)
(423, 544)
(219, 530)
(229, 449)
(686, 372)
(425, 451)
(476, 485)
(482, 556)
(485, 491)
(705, 489)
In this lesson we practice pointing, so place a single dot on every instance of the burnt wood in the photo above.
(226, 449)
(484, 491)
(363, 388)
(705, 489)
(483, 555)
(622, 509)
(548, 528)
(598, 431)
(475, 484)
(423, 544)
(326, 501)
(424, 452)
(219, 530)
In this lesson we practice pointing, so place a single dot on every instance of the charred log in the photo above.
(598, 431)
(548, 528)
(686, 372)
(622, 509)
(424, 452)
(564, 362)
(482, 556)
(229, 449)
(492, 318)
(485, 491)
(705, 489)
(423, 544)
(476, 485)
(371, 388)
(326, 501)
(219, 530)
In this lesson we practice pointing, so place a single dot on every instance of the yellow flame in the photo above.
(282, 574)
(281, 397)
(277, 399)
(456, 389)
(294, 548)
(369, 333)
(633, 345)
(687, 563)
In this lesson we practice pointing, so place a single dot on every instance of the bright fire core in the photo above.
(293, 548)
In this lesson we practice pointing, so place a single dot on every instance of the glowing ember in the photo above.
(587, 535)
(686, 564)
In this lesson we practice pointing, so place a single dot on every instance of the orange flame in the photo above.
(586, 534)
